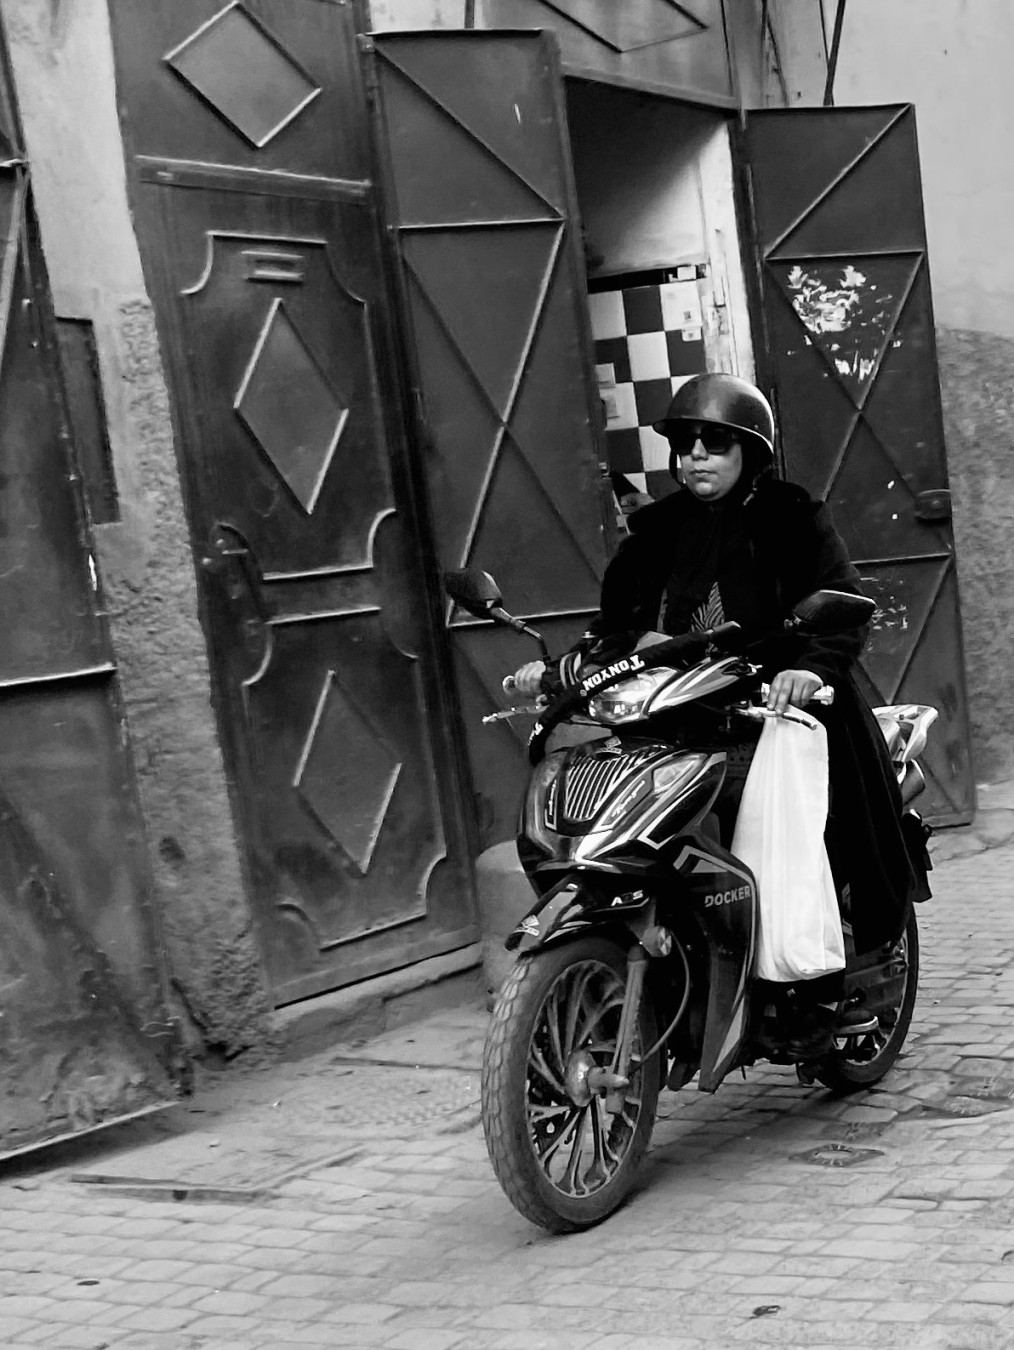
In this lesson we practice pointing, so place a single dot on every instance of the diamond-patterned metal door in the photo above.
(851, 360)
(260, 234)
(478, 186)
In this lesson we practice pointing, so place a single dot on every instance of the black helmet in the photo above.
(725, 399)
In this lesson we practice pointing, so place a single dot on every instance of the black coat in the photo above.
(766, 553)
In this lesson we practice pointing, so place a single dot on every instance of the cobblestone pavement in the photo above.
(347, 1200)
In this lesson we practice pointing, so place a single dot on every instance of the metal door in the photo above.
(850, 355)
(478, 189)
(259, 232)
(85, 1035)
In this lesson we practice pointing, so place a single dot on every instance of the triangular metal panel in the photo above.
(874, 506)
(879, 198)
(492, 328)
(849, 309)
(904, 593)
(932, 676)
(463, 428)
(627, 27)
(532, 548)
(816, 415)
(903, 406)
(542, 422)
(785, 187)
(482, 175)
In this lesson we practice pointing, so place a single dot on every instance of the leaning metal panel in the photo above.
(852, 360)
(510, 406)
(85, 1036)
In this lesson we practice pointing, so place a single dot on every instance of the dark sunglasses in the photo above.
(716, 440)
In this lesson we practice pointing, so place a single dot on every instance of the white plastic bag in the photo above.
(780, 836)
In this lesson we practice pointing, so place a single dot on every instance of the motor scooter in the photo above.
(634, 965)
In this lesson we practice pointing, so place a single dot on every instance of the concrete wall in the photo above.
(62, 60)
(952, 60)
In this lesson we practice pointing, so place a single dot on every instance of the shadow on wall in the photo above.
(978, 402)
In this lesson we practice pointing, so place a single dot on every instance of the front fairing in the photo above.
(594, 816)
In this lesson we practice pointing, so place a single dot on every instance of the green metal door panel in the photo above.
(850, 357)
(500, 351)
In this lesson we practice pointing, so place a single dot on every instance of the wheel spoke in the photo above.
(547, 1154)
(571, 1180)
(551, 1020)
(609, 1001)
(537, 1062)
(581, 979)
(605, 1158)
(538, 1112)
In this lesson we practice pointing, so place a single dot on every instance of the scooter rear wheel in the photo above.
(860, 1061)
(564, 1161)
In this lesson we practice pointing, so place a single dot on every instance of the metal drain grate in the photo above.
(837, 1155)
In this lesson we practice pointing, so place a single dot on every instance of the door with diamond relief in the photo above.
(849, 355)
(260, 238)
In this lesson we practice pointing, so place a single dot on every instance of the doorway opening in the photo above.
(667, 294)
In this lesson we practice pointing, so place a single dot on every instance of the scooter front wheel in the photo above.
(860, 1061)
(563, 1159)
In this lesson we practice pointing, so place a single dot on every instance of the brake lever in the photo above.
(519, 710)
(760, 714)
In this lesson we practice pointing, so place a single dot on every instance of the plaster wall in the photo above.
(61, 55)
(951, 59)
(405, 15)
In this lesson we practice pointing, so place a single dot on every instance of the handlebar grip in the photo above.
(825, 694)
(507, 684)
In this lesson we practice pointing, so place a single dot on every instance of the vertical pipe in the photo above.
(832, 63)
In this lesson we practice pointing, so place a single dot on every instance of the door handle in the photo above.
(933, 506)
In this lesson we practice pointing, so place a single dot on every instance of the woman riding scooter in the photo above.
(738, 544)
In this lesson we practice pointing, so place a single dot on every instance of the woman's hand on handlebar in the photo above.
(792, 686)
(528, 678)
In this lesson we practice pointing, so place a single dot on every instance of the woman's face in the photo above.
(711, 466)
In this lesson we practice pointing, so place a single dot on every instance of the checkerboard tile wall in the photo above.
(648, 341)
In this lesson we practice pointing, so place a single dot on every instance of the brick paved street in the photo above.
(347, 1201)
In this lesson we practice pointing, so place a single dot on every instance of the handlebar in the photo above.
(824, 695)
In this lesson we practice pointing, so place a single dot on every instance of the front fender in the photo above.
(569, 904)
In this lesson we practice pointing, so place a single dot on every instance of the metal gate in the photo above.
(478, 187)
(85, 1036)
(851, 360)
(259, 233)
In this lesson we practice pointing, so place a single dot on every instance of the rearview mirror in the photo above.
(831, 611)
(478, 594)
(474, 591)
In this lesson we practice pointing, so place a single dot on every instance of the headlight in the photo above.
(625, 702)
